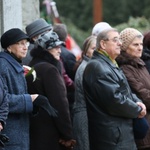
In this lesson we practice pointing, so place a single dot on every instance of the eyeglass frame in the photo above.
(115, 40)
(22, 44)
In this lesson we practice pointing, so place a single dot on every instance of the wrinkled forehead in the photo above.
(113, 34)
(137, 39)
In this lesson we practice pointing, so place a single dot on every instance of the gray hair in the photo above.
(103, 36)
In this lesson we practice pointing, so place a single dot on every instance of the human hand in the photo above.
(1, 127)
(69, 144)
(143, 112)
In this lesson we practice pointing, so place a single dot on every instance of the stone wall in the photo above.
(11, 14)
(31, 11)
(17, 13)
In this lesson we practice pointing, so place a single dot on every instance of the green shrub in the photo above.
(139, 23)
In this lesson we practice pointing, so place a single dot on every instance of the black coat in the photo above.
(69, 61)
(45, 131)
(110, 106)
(146, 58)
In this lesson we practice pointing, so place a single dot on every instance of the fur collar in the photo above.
(126, 59)
(40, 55)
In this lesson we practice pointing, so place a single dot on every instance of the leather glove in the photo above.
(43, 103)
(3, 140)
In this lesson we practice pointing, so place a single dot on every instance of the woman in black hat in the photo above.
(48, 132)
(15, 45)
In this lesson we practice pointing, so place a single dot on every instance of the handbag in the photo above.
(140, 127)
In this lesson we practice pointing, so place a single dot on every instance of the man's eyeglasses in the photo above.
(115, 40)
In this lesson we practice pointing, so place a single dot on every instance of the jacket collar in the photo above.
(126, 59)
(12, 61)
(107, 55)
(97, 55)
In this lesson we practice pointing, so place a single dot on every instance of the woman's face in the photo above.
(136, 47)
(55, 52)
(19, 49)
(91, 49)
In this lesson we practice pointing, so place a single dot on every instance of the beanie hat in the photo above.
(127, 36)
(99, 27)
(49, 40)
(37, 27)
(12, 36)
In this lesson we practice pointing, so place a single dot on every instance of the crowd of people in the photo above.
(65, 103)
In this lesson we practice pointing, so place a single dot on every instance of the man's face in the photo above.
(112, 44)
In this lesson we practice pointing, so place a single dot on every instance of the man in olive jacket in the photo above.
(111, 106)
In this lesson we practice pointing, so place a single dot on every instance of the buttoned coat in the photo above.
(46, 131)
(20, 103)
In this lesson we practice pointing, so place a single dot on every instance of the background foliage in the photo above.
(78, 17)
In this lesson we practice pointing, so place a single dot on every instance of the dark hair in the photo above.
(61, 31)
(146, 40)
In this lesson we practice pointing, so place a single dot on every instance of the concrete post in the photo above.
(97, 11)
(30, 11)
(17, 13)
(11, 14)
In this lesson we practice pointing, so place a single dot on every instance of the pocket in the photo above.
(110, 135)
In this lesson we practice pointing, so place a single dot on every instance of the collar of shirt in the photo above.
(103, 52)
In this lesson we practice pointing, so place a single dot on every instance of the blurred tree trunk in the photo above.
(97, 11)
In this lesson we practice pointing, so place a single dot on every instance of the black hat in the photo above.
(37, 27)
(12, 36)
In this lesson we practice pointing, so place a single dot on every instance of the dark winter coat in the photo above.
(146, 58)
(69, 61)
(46, 131)
(20, 103)
(139, 81)
(110, 106)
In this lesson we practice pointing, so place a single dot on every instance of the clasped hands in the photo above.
(143, 112)
(69, 144)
